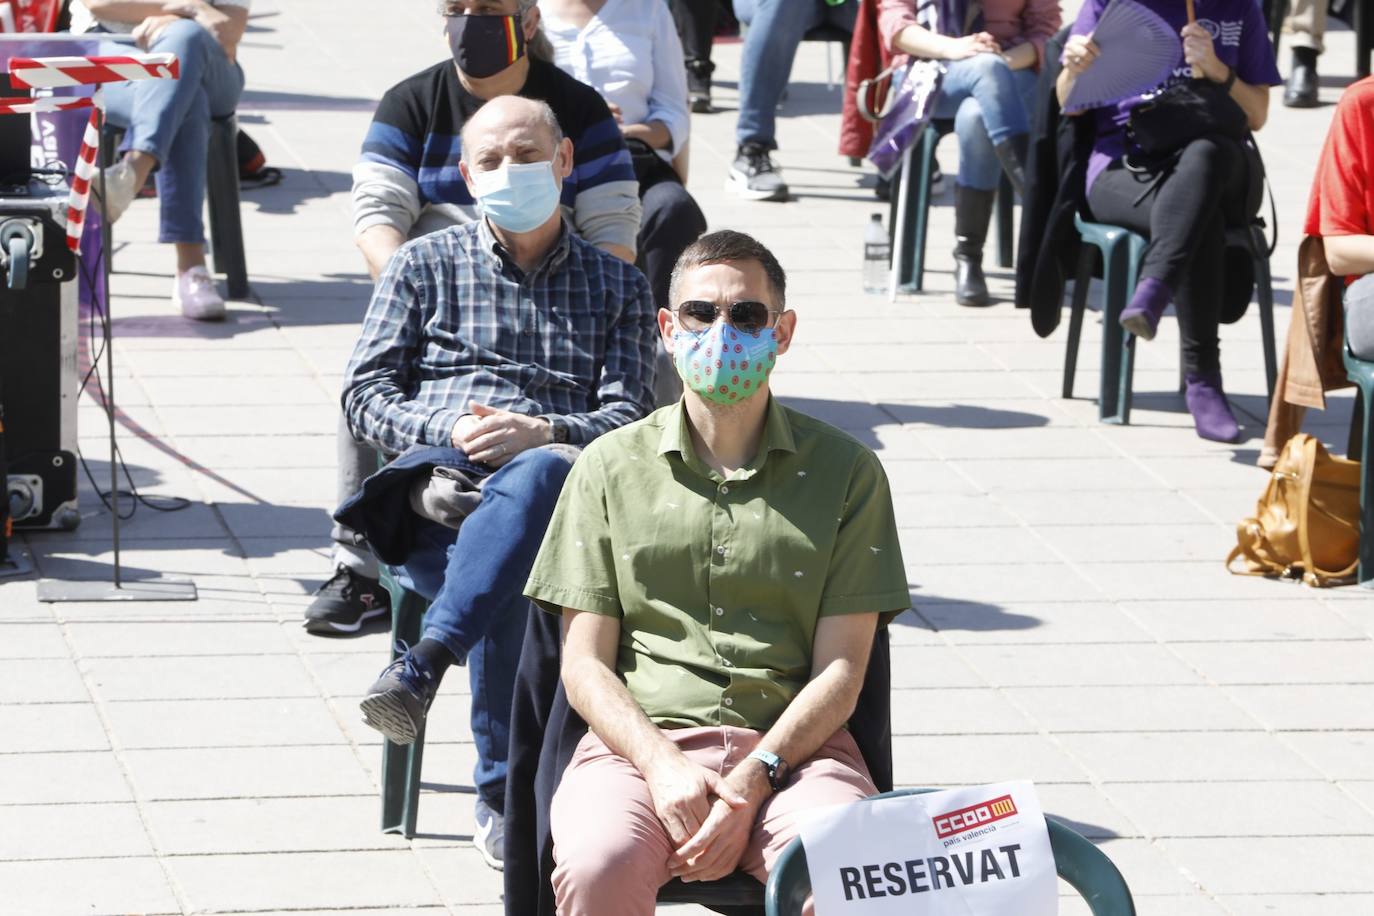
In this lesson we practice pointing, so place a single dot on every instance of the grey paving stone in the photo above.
(1337, 754)
(381, 878)
(950, 712)
(133, 640)
(1324, 904)
(1290, 615)
(969, 759)
(931, 666)
(72, 831)
(1286, 662)
(59, 887)
(51, 727)
(1249, 809)
(253, 825)
(198, 677)
(1070, 666)
(1303, 707)
(62, 778)
(1278, 865)
(44, 680)
(247, 772)
(221, 723)
(1208, 756)
(32, 641)
(1099, 709)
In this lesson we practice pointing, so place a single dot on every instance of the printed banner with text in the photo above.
(979, 851)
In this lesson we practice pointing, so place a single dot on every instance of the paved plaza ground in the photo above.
(1072, 622)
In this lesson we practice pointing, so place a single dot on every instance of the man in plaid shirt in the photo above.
(492, 343)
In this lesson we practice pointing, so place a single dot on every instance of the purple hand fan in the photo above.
(1139, 51)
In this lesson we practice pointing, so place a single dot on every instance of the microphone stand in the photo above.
(160, 588)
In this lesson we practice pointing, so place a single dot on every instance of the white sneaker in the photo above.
(121, 187)
(195, 293)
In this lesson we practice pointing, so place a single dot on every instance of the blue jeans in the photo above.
(170, 120)
(474, 579)
(989, 103)
(776, 28)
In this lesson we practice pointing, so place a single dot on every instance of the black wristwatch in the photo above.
(1230, 79)
(778, 770)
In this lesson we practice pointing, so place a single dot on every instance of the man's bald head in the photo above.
(513, 127)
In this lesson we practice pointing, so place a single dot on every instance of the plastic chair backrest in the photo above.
(1085, 867)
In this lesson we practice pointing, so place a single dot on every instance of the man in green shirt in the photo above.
(721, 567)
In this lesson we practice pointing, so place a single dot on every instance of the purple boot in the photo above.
(1141, 316)
(1207, 403)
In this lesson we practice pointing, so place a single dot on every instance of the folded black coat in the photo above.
(1056, 169)
(544, 732)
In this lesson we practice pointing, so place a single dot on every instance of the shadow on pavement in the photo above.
(938, 615)
(861, 419)
(296, 187)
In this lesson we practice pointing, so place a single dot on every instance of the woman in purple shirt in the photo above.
(1184, 202)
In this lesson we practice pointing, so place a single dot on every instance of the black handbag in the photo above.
(1184, 112)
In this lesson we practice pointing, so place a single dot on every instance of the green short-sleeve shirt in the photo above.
(719, 582)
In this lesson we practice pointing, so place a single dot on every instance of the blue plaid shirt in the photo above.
(454, 319)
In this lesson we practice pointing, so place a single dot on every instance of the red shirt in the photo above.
(1342, 200)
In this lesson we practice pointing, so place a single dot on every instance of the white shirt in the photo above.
(630, 53)
(83, 21)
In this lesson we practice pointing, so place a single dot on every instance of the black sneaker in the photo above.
(397, 703)
(753, 175)
(699, 85)
(490, 835)
(345, 603)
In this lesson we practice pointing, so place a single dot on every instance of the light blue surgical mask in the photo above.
(518, 197)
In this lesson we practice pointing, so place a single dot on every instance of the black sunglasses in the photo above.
(746, 315)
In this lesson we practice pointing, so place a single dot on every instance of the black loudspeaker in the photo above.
(38, 357)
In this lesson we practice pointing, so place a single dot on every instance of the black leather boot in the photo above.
(972, 212)
(1301, 91)
(1012, 154)
(699, 85)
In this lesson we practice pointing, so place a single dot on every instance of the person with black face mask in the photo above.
(407, 184)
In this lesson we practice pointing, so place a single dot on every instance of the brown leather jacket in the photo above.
(1311, 364)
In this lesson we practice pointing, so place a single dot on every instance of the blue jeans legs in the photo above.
(776, 28)
(474, 578)
(989, 103)
(170, 120)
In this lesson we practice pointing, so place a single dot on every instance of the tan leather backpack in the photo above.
(1307, 523)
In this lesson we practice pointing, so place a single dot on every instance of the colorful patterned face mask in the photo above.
(723, 364)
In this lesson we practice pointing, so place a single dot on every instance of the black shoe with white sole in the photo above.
(397, 703)
(344, 603)
(754, 176)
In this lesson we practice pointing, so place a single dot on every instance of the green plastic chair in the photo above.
(910, 247)
(1121, 251)
(1361, 372)
(1085, 867)
(401, 763)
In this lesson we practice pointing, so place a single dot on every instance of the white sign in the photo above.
(980, 851)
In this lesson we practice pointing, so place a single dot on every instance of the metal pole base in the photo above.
(158, 589)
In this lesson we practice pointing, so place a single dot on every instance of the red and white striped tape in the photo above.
(30, 106)
(81, 181)
(51, 72)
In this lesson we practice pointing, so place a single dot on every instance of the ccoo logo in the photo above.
(974, 816)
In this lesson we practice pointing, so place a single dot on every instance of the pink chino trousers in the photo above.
(610, 849)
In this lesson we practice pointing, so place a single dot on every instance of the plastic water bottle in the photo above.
(877, 256)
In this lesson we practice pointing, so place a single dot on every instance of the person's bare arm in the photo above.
(130, 11)
(1022, 56)
(1349, 255)
(1079, 54)
(681, 790)
(919, 41)
(378, 243)
(839, 661)
(620, 251)
(654, 133)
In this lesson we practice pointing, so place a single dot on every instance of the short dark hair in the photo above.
(729, 245)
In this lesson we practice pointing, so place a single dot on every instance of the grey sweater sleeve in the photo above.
(609, 214)
(384, 196)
